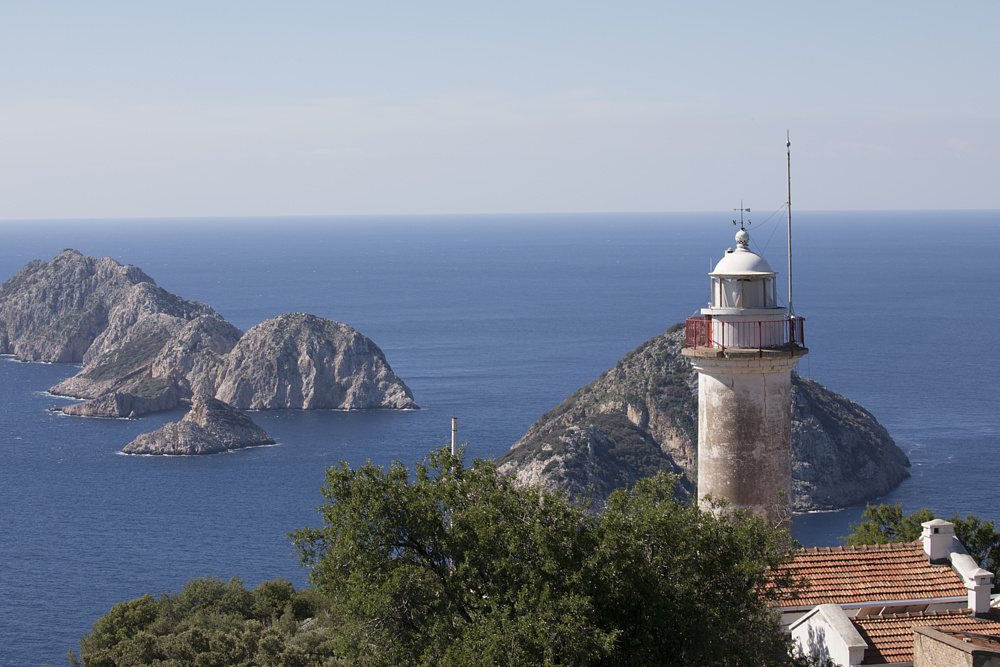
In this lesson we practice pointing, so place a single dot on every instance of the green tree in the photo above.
(123, 622)
(459, 565)
(883, 524)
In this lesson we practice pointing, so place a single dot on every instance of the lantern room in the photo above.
(743, 280)
(743, 311)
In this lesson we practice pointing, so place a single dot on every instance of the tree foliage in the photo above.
(459, 565)
(212, 622)
(883, 524)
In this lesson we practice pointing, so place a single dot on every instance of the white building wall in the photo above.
(827, 632)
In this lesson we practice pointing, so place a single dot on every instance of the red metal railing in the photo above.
(745, 334)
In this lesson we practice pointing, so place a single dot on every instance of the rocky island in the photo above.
(146, 350)
(305, 362)
(641, 417)
(210, 427)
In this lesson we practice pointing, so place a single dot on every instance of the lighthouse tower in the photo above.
(744, 347)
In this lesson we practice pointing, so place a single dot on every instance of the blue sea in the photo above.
(490, 319)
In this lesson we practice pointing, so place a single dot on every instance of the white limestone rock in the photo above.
(301, 361)
(115, 320)
(159, 362)
(53, 311)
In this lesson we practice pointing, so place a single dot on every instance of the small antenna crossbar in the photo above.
(741, 222)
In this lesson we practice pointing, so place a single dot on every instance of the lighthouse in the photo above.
(744, 347)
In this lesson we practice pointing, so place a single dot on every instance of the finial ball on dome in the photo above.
(742, 238)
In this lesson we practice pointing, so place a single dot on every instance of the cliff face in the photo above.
(306, 362)
(209, 427)
(145, 349)
(841, 454)
(156, 352)
(111, 317)
(53, 311)
(642, 416)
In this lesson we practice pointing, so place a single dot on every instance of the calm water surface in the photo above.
(491, 319)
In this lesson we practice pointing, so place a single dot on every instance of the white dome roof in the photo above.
(742, 263)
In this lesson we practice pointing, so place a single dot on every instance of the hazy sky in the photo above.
(142, 109)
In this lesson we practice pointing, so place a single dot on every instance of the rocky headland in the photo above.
(145, 350)
(210, 427)
(641, 417)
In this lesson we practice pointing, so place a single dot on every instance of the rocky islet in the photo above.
(641, 417)
(209, 427)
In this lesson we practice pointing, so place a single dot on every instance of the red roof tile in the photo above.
(890, 638)
(872, 573)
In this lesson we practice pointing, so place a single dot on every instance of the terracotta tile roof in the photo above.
(843, 575)
(890, 638)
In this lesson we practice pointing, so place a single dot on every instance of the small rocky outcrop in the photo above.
(642, 416)
(118, 404)
(210, 427)
(306, 362)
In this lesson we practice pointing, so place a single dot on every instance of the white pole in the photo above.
(788, 147)
(454, 435)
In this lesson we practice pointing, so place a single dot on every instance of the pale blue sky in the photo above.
(138, 109)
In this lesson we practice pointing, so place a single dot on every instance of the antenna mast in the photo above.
(788, 147)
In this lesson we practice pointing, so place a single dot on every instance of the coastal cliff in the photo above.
(145, 350)
(209, 427)
(641, 417)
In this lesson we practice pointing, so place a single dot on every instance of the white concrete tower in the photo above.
(744, 347)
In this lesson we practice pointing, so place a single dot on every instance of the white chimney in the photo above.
(980, 584)
(938, 535)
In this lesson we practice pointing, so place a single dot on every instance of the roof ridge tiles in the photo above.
(855, 548)
(938, 613)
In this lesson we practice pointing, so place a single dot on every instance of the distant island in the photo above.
(146, 350)
(641, 417)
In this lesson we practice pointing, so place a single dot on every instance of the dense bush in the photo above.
(212, 622)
